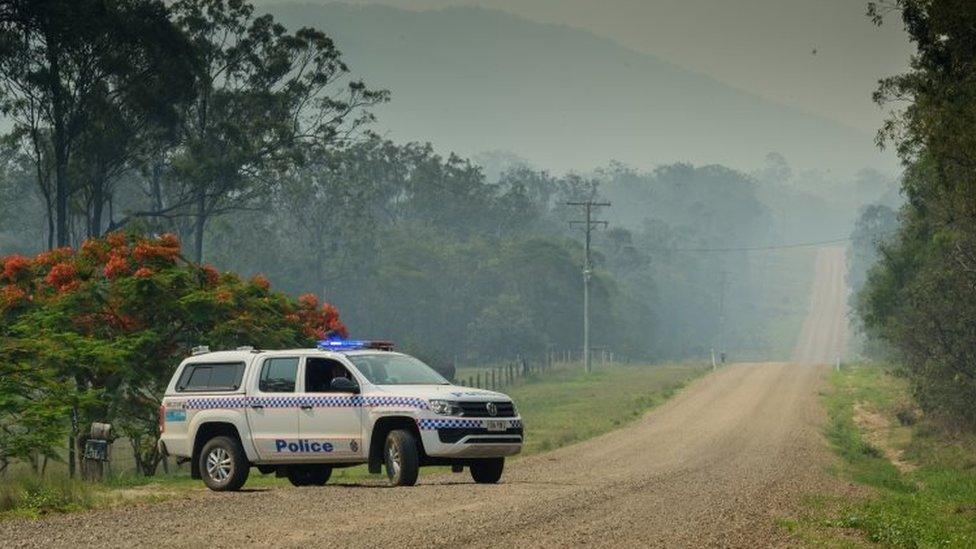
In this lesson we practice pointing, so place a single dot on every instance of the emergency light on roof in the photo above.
(353, 344)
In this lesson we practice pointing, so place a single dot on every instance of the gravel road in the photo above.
(714, 466)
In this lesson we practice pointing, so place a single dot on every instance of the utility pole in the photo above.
(588, 225)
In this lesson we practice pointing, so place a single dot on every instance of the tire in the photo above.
(487, 471)
(223, 464)
(309, 475)
(402, 458)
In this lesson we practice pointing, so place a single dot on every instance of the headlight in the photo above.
(514, 409)
(445, 408)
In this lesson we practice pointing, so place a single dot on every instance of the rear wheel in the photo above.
(223, 465)
(402, 458)
(487, 471)
(309, 475)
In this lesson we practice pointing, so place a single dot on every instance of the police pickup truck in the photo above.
(301, 413)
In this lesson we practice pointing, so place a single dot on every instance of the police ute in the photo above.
(302, 413)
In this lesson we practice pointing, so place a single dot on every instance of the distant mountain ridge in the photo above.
(472, 80)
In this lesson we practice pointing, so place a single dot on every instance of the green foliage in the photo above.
(87, 84)
(919, 298)
(32, 495)
(933, 505)
(423, 249)
(99, 331)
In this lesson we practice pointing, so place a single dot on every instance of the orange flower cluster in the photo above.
(166, 250)
(318, 322)
(63, 277)
(261, 281)
(11, 296)
(308, 301)
(53, 257)
(50, 275)
(96, 250)
(211, 275)
(116, 266)
(14, 267)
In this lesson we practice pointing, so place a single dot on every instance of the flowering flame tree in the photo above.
(95, 333)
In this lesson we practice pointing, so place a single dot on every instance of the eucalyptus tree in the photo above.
(66, 65)
(266, 99)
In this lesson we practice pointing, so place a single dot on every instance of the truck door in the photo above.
(272, 412)
(330, 422)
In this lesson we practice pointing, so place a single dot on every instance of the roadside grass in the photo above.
(559, 407)
(923, 481)
(567, 405)
(33, 496)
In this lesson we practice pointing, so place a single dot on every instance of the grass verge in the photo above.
(923, 481)
(559, 407)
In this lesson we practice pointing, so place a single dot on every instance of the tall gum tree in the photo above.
(266, 99)
(67, 64)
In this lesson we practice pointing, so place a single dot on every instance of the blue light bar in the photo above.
(342, 344)
(353, 344)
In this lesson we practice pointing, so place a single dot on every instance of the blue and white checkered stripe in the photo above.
(428, 424)
(395, 401)
(209, 403)
(213, 403)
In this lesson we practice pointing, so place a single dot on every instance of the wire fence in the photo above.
(499, 375)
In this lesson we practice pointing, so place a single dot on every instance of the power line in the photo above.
(588, 225)
(754, 248)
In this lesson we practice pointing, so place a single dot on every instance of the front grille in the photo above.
(450, 436)
(480, 409)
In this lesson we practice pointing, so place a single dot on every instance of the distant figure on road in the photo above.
(722, 357)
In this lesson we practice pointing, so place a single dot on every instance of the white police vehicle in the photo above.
(301, 413)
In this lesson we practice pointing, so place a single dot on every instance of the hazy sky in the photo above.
(761, 46)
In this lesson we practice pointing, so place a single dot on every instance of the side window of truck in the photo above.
(319, 373)
(278, 375)
(211, 377)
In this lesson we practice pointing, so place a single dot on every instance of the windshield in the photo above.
(394, 369)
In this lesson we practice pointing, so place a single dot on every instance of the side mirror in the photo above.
(344, 385)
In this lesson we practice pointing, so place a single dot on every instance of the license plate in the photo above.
(496, 425)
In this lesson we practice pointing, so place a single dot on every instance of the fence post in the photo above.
(470, 381)
(479, 380)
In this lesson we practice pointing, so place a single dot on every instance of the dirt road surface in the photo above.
(714, 466)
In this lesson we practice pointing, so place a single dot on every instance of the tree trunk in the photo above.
(72, 441)
(50, 228)
(98, 203)
(199, 224)
(61, 186)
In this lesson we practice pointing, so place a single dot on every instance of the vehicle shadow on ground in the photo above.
(452, 483)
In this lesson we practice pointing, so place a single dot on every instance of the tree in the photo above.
(65, 65)
(98, 331)
(920, 296)
(266, 99)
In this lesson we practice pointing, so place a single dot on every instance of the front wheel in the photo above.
(487, 471)
(223, 465)
(309, 475)
(402, 458)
